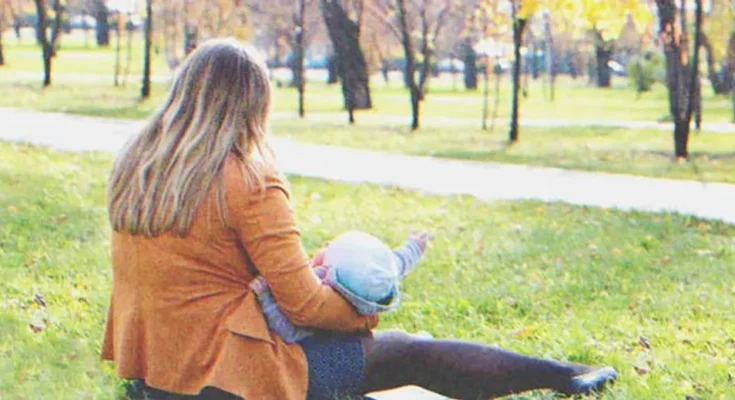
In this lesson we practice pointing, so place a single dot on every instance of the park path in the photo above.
(484, 180)
(487, 181)
(434, 120)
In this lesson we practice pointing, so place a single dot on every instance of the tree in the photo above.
(145, 91)
(718, 25)
(4, 15)
(682, 72)
(521, 11)
(102, 27)
(431, 26)
(351, 65)
(469, 59)
(493, 25)
(606, 20)
(48, 44)
(298, 71)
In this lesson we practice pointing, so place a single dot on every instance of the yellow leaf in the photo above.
(528, 8)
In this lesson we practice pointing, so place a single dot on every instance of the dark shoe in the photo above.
(592, 381)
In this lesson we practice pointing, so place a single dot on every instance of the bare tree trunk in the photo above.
(603, 54)
(129, 51)
(102, 28)
(469, 58)
(485, 95)
(550, 73)
(682, 75)
(519, 25)
(118, 48)
(56, 28)
(299, 80)
(351, 64)
(410, 72)
(496, 101)
(2, 29)
(719, 85)
(145, 91)
(47, 45)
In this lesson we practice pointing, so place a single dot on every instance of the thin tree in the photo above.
(128, 47)
(299, 78)
(145, 91)
(417, 89)
(47, 44)
(519, 27)
(549, 54)
(118, 47)
(682, 72)
(3, 16)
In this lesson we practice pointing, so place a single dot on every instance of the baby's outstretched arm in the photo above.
(408, 255)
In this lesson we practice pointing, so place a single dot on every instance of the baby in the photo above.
(361, 268)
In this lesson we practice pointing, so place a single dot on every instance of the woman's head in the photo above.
(218, 105)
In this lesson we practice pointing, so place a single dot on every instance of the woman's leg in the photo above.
(467, 370)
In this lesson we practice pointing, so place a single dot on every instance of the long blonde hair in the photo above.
(218, 105)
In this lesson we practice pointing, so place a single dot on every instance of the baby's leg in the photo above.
(467, 370)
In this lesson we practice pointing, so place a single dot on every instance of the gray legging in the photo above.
(391, 359)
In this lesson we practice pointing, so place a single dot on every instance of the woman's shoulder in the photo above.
(251, 176)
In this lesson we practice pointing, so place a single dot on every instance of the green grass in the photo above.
(551, 280)
(575, 99)
(639, 152)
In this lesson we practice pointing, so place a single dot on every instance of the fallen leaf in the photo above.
(12, 210)
(643, 341)
(641, 370)
(36, 328)
(523, 332)
(616, 251)
(38, 299)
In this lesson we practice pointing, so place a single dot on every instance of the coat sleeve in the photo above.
(267, 229)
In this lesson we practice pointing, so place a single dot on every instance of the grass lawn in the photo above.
(575, 99)
(651, 295)
(638, 152)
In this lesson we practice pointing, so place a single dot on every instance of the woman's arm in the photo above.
(268, 231)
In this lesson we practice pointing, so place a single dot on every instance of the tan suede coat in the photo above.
(182, 316)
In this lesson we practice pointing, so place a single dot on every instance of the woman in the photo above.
(199, 210)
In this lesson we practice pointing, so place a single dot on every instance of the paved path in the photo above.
(382, 119)
(487, 181)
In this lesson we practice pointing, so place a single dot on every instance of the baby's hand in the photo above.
(422, 239)
(318, 259)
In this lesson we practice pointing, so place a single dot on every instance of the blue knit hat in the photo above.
(364, 269)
